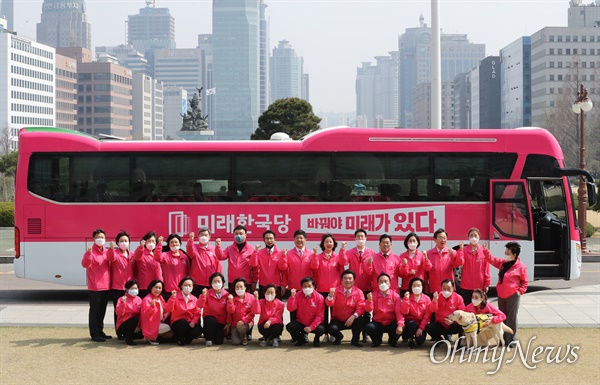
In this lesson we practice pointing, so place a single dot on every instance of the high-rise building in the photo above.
(285, 72)
(422, 105)
(490, 92)
(175, 105)
(208, 102)
(236, 67)
(64, 24)
(183, 67)
(27, 92)
(142, 108)
(153, 28)
(377, 91)
(584, 15)
(66, 92)
(7, 10)
(457, 55)
(127, 56)
(264, 59)
(515, 77)
(306, 87)
(158, 110)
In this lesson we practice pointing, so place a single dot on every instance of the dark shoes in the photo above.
(355, 343)
(98, 339)
(105, 336)
(130, 342)
(317, 342)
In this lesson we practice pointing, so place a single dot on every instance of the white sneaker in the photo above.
(325, 338)
(262, 343)
(275, 343)
(153, 343)
(331, 339)
(208, 343)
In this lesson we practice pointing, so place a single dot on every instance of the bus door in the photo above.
(550, 228)
(511, 220)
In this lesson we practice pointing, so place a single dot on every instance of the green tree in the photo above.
(8, 163)
(293, 116)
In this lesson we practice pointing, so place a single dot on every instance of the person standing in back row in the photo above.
(204, 260)
(443, 261)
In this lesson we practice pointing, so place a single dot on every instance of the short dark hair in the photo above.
(415, 279)
(360, 231)
(123, 233)
(384, 236)
(474, 229)
(514, 248)
(384, 275)
(412, 235)
(269, 232)
(173, 236)
(154, 283)
(324, 237)
(214, 275)
(348, 271)
(188, 278)
(149, 235)
(242, 280)
(299, 232)
(439, 231)
(98, 231)
(240, 227)
(271, 285)
(130, 283)
(308, 279)
(201, 229)
(451, 282)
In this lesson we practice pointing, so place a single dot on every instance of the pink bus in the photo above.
(511, 184)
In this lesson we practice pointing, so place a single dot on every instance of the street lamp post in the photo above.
(582, 105)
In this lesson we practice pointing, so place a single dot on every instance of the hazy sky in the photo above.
(333, 36)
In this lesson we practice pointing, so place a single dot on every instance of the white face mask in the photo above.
(412, 246)
(123, 245)
(417, 290)
(360, 242)
(270, 297)
(446, 294)
(474, 240)
(217, 285)
(99, 241)
(175, 248)
(307, 290)
(476, 302)
(187, 290)
(203, 240)
(133, 292)
(508, 257)
(240, 292)
(384, 286)
(150, 246)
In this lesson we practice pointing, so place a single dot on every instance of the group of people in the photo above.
(161, 293)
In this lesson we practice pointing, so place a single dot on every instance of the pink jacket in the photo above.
(180, 309)
(444, 307)
(174, 268)
(418, 311)
(310, 309)
(238, 262)
(515, 278)
(296, 266)
(147, 269)
(271, 311)
(385, 309)
(267, 266)
(381, 264)
(130, 308)
(327, 271)
(498, 316)
(213, 306)
(204, 262)
(416, 263)
(363, 282)
(343, 307)
(476, 270)
(150, 316)
(122, 268)
(243, 310)
(97, 269)
(442, 267)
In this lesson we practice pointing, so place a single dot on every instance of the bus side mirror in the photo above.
(591, 193)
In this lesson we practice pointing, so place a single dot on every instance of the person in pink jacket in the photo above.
(310, 307)
(265, 263)
(97, 268)
(416, 308)
(174, 263)
(185, 314)
(122, 269)
(512, 284)
(270, 322)
(213, 302)
(475, 269)
(128, 313)
(383, 262)
(443, 305)
(238, 257)
(356, 257)
(204, 260)
(387, 317)
(413, 262)
(242, 308)
(480, 305)
(153, 314)
(443, 261)
(146, 268)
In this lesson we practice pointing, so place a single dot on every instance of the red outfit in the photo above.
(381, 264)
(416, 263)
(327, 271)
(386, 309)
(343, 306)
(310, 309)
(130, 308)
(147, 269)
(476, 270)
(418, 311)
(243, 309)
(238, 262)
(267, 263)
(515, 279)
(442, 267)
(498, 316)
(204, 262)
(444, 307)
(356, 258)
(271, 311)
(152, 316)
(122, 268)
(174, 268)
(214, 306)
(182, 309)
(97, 269)
(297, 266)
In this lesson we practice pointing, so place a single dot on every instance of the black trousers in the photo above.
(336, 326)
(437, 331)
(183, 333)
(465, 294)
(410, 328)
(296, 330)
(271, 332)
(115, 295)
(213, 331)
(197, 291)
(98, 302)
(127, 329)
(376, 329)
(326, 315)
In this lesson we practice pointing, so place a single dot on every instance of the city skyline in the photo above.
(333, 51)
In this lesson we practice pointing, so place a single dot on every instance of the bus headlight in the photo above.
(578, 247)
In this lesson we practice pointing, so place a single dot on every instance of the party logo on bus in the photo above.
(179, 223)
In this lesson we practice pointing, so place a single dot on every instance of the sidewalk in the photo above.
(563, 308)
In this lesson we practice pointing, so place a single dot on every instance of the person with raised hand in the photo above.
(416, 308)
(265, 262)
(443, 261)
(146, 268)
(387, 317)
(310, 307)
(213, 303)
(383, 262)
(270, 322)
(413, 262)
(153, 314)
(122, 269)
(174, 263)
(475, 268)
(444, 304)
(204, 261)
(185, 314)
(128, 311)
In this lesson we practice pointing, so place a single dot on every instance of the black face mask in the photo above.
(270, 247)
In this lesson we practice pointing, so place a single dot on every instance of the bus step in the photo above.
(545, 257)
(548, 271)
(547, 265)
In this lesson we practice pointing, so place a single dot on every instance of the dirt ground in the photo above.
(66, 356)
